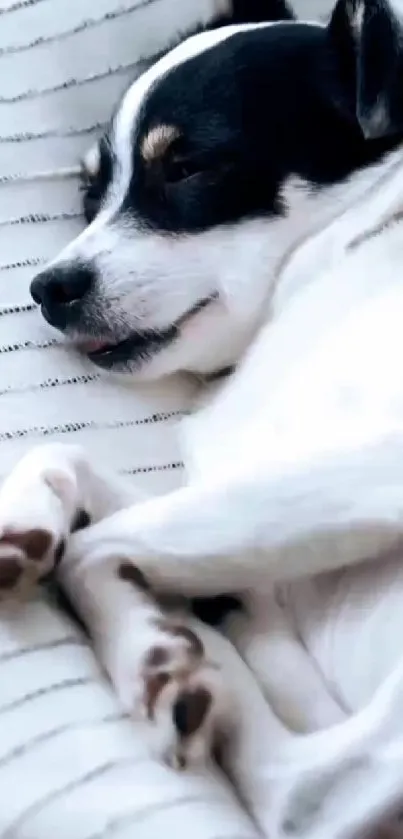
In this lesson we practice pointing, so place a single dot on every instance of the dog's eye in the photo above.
(91, 200)
(182, 169)
(95, 176)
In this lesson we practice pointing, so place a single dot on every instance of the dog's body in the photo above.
(296, 466)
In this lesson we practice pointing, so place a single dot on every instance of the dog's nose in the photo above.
(60, 286)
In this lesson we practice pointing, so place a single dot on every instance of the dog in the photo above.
(244, 210)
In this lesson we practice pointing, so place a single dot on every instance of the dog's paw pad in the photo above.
(129, 573)
(35, 543)
(162, 674)
(182, 696)
(190, 710)
(10, 574)
(25, 557)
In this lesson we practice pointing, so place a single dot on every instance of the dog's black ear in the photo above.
(253, 11)
(367, 38)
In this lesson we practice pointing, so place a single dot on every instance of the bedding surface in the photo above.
(69, 759)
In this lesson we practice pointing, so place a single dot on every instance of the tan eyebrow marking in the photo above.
(158, 140)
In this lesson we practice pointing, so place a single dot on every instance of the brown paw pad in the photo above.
(33, 543)
(154, 684)
(190, 710)
(130, 574)
(10, 573)
(192, 641)
(157, 657)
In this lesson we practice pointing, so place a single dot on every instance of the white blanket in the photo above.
(70, 764)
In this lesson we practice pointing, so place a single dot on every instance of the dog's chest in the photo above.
(323, 375)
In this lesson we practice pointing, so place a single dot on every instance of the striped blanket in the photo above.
(71, 765)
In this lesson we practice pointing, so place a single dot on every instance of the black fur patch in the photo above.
(252, 111)
(215, 610)
(242, 11)
(82, 520)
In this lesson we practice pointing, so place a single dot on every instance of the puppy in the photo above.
(249, 191)
(221, 156)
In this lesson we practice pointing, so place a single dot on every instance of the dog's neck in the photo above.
(265, 261)
(342, 218)
(377, 188)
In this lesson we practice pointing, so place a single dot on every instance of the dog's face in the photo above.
(189, 193)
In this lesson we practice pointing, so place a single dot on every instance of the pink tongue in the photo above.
(91, 346)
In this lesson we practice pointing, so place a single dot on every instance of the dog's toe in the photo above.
(25, 557)
(184, 697)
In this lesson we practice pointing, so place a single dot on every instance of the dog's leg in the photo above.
(329, 785)
(158, 665)
(340, 783)
(346, 781)
(251, 530)
(343, 782)
(264, 635)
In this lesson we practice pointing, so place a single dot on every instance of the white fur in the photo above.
(295, 468)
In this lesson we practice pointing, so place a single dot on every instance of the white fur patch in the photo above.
(92, 161)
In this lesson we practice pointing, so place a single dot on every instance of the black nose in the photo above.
(58, 288)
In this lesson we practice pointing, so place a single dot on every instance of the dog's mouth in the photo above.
(134, 349)
(139, 346)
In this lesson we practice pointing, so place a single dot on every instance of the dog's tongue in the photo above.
(92, 345)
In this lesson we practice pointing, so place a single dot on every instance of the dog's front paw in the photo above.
(26, 556)
(37, 509)
(161, 673)
(183, 696)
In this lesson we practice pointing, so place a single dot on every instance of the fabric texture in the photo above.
(63, 67)
(70, 763)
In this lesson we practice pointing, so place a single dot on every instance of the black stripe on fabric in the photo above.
(73, 427)
(39, 218)
(146, 470)
(20, 4)
(17, 178)
(138, 815)
(66, 684)
(90, 23)
(28, 136)
(41, 739)
(66, 85)
(24, 263)
(17, 310)
(49, 384)
(13, 830)
(69, 641)
(30, 345)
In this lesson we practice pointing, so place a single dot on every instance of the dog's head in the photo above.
(191, 193)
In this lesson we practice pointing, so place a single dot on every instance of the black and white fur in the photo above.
(251, 128)
(272, 228)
